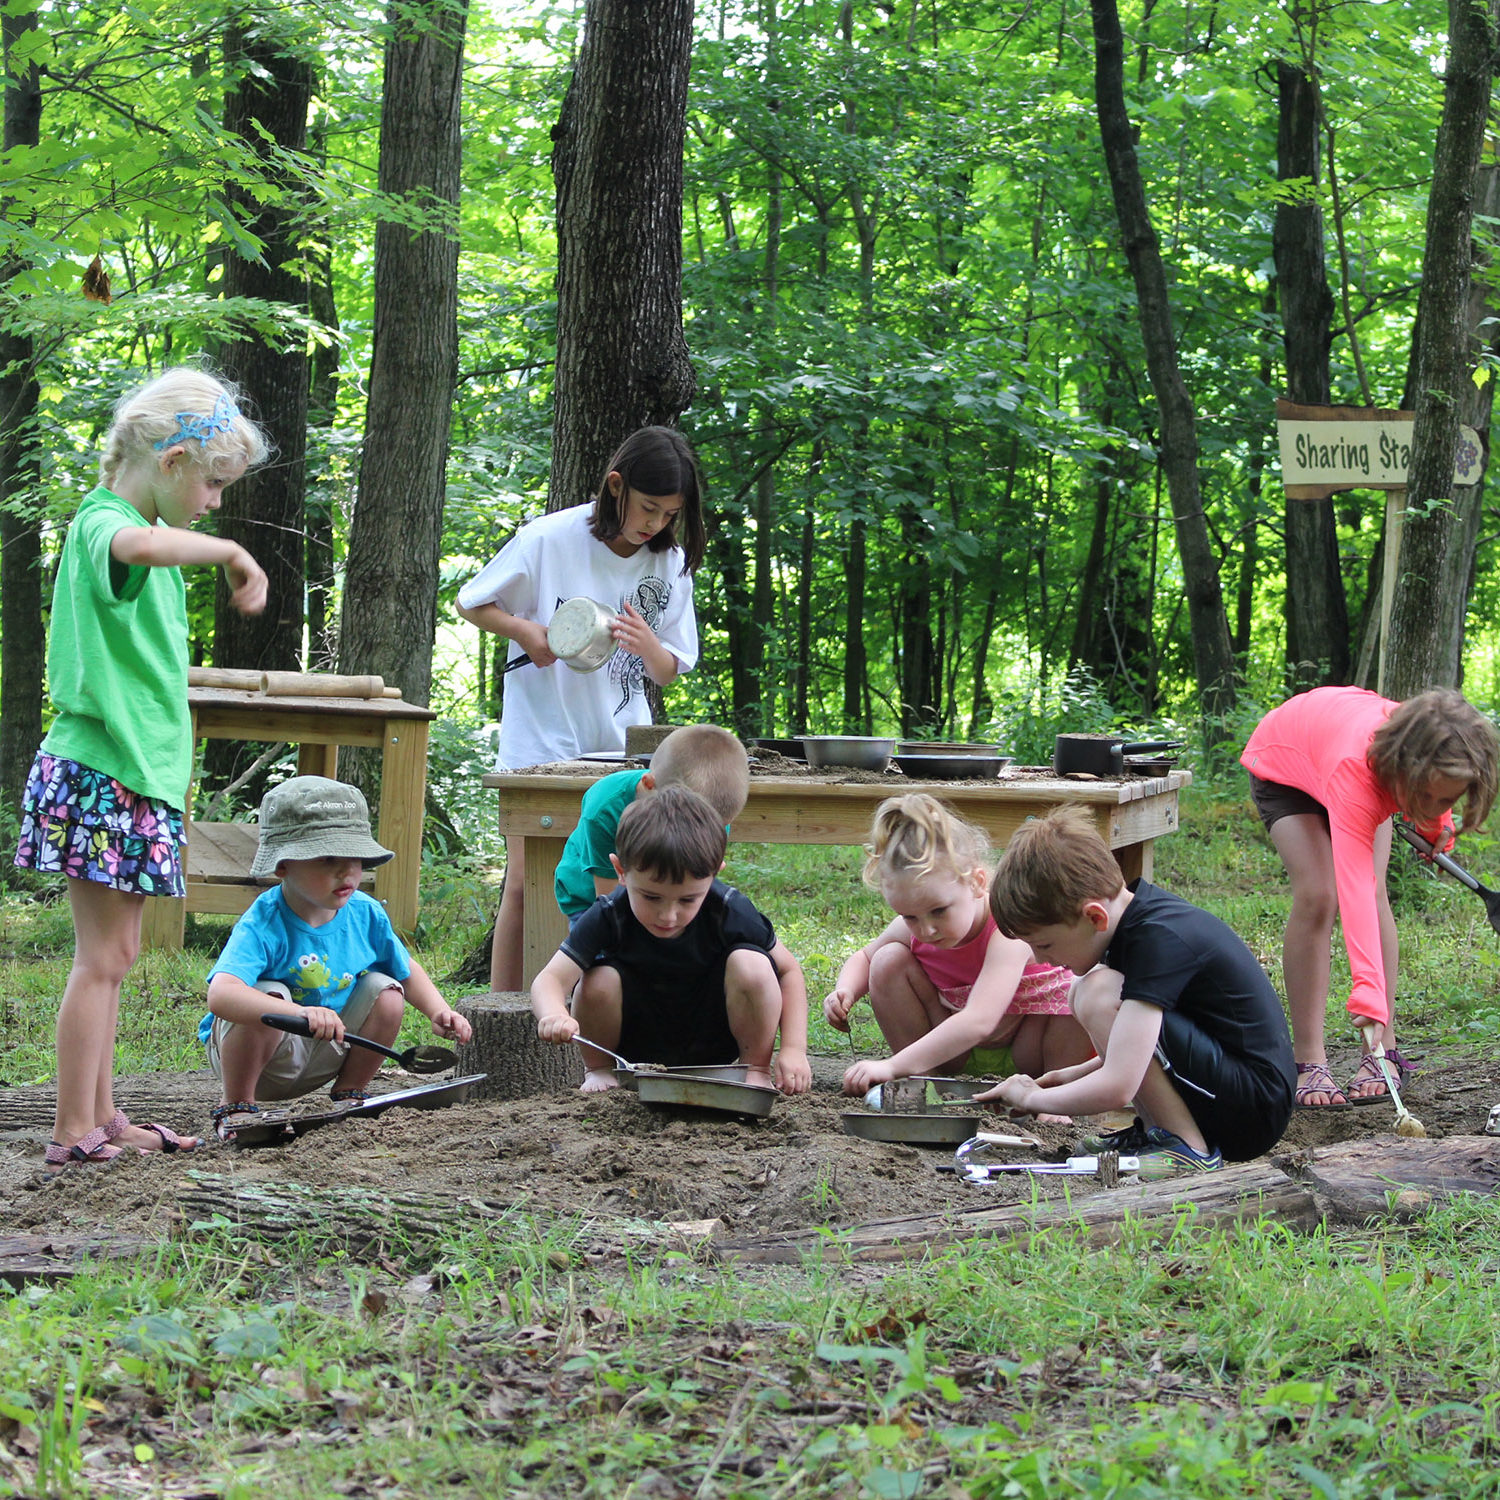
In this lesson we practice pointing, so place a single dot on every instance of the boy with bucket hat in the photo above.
(314, 946)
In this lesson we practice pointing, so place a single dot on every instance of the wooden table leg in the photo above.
(1136, 861)
(543, 925)
(318, 760)
(164, 922)
(403, 790)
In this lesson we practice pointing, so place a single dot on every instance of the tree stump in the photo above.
(507, 1048)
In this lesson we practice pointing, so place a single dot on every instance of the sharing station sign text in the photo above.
(1325, 449)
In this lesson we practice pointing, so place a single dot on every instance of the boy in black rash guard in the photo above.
(674, 966)
(1184, 1020)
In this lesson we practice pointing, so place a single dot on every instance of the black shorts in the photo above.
(1273, 801)
(675, 1029)
(1241, 1110)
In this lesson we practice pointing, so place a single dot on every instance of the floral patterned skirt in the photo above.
(78, 822)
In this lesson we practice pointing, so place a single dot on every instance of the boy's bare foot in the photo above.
(1054, 1119)
(760, 1077)
(597, 1080)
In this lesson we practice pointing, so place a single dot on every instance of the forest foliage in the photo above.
(904, 293)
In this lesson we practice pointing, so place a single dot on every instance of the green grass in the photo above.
(1191, 1361)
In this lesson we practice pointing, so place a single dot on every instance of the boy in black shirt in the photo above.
(674, 966)
(1184, 1020)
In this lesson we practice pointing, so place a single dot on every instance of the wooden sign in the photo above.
(1325, 449)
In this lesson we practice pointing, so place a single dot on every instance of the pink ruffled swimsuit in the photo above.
(1042, 991)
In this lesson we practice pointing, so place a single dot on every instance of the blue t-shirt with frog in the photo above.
(319, 965)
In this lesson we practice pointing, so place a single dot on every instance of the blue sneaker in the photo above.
(1165, 1154)
(1131, 1140)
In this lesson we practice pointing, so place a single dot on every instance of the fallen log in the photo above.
(1392, 1177)
(49, 1258)
(1389, 1178)
(360, 1221)
(1250, 1191)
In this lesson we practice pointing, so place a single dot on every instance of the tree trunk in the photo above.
(389, 619)
(22, 637)
(1317, 613)
(267, 110)
(1432, 587)
(1213, 660)
(622, 359)
(318, 505)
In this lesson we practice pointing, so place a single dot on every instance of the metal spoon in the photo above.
(414, 1059)
(624, 1063)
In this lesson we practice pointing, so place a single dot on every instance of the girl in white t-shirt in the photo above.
(634, 547)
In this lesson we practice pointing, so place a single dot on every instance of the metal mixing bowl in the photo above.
(856, 752)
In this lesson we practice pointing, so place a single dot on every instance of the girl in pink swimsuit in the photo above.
(942, 980)
(1328, 769)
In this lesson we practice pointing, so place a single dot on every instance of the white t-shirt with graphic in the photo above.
(554, 713)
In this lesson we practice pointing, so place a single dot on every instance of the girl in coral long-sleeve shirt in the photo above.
(1328, 769)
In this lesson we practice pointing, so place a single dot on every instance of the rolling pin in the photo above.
(320, 685)
(224, 677)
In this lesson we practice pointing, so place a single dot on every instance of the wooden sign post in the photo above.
(1325, 449)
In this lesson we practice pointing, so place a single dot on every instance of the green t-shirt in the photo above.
(589, 846)
(117, 659)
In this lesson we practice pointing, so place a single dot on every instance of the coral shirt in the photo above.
(1317, 742)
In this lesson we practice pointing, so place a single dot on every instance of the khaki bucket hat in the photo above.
(311, 817)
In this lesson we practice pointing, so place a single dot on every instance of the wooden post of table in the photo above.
(164, 921)
(403, 789)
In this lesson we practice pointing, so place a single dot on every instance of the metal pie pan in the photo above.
(947, 747)
(697, 1091)
(949, 767)
(912, 1130)
(273, 1125)
(630, 1078)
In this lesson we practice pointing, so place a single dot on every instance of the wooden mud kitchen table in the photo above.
(542, 808)
(218, 855)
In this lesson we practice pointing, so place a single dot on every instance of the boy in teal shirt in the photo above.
(702, 757)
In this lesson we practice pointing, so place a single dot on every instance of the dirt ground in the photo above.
(605, 1158)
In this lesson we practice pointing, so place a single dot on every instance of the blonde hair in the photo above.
(707, 760)
(1050, 870)
(1438, 733)
(188, 408)
(916, 836)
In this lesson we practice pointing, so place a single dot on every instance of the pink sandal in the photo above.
(92, 1149)
(170, 1140)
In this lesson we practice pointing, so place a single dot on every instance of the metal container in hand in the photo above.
(579, 633)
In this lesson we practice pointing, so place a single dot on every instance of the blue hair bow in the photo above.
(192, 425)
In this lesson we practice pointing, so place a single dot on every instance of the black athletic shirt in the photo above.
(1186, 961)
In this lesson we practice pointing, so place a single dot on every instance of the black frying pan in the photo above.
(1100, 754)
(1490, 898)
(414, 1059)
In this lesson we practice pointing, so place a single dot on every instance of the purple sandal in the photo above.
(1319, 1081)
(1368, 1071)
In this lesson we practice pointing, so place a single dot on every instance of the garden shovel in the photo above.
(1490, 898)
(414, 1059)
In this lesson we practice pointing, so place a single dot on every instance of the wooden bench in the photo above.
(218, 856)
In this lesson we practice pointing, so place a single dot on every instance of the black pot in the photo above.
(1100, 754)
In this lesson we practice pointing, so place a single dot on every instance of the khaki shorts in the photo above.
(301, 1064)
